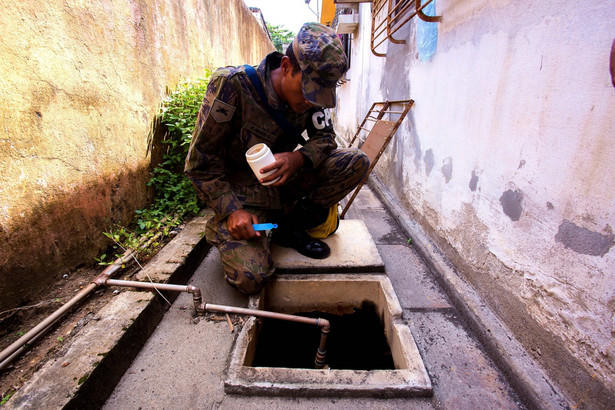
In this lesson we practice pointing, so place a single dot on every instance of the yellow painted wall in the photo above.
(327, 12)
(81, 83)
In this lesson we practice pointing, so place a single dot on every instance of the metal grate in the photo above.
(388, 16)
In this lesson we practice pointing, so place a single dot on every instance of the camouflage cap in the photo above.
(321, 57)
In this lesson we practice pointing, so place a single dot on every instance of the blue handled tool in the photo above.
(264, 227)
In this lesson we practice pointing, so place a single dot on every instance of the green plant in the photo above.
(175, 197)
(280, 36)
(101, 260)
(5, 398)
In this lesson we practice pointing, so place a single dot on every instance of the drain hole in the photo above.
(356, 342)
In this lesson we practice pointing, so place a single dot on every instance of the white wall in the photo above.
(509, 153)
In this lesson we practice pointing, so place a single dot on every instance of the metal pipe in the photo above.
(322, 323)
(196, 298)
(45, 324)
(13, 351)
(20, 350)
(146, 285)
(321, 353)
(196, 292)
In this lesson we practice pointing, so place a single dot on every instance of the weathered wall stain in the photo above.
(511, 204)
(70, 225)
(447, 169)
(584, 241)
(416, 144)
(429, 161)
(473, 181)
(612, 63)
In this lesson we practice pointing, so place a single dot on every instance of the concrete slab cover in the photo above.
(409, 378)
(352, 250)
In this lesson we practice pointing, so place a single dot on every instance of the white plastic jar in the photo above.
(259, 156)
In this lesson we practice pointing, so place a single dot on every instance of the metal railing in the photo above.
(388, 16)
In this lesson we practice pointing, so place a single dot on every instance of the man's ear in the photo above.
(285, 65)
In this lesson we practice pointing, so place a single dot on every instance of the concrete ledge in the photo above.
(88, 368)
(174, 255)
(524, 373)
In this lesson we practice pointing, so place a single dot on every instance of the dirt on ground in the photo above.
(16, 322)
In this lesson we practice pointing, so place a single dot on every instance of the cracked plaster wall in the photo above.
(507, 158)
(81, 84)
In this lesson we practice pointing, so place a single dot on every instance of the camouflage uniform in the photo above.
(231, 120)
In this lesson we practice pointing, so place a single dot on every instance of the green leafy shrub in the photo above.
(175, 197)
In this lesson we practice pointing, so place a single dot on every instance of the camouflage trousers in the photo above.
(248, 264)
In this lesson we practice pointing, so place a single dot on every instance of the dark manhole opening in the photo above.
(356, 342)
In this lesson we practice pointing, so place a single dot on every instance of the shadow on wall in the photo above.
(396, 86)
(395, 79)
(155, 145)
(612, 63)
(65, 231)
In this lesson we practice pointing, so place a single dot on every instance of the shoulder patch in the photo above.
(321, 120)
(221, 111)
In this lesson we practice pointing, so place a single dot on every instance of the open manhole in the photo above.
(276, 358)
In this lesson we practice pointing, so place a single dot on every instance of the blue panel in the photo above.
(427, 33)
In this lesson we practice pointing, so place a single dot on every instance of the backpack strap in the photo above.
(277, 116)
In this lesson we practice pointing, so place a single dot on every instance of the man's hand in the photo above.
(287, 163)
(239, 225)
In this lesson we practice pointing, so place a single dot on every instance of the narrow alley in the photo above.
(482, 240)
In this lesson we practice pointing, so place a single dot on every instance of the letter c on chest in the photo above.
(322, 120)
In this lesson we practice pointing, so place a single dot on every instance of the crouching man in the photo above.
(272, 104)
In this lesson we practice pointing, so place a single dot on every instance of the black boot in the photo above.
(302, 243)
(291, 230)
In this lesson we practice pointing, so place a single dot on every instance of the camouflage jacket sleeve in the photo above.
(321, 136)
(205, 165)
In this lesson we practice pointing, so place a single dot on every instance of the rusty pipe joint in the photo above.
(201, 309)
(321, 353)
(101, 280)
(197, 298)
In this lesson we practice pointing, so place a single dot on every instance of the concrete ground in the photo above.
(183, 363)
